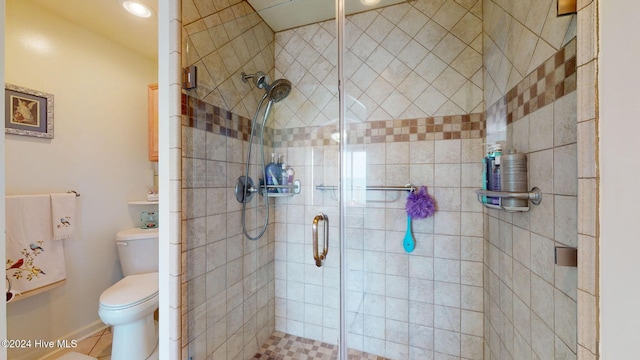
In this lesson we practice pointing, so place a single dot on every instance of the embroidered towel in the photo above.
(63, 215)
(33, 262)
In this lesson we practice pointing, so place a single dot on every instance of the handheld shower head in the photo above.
(276, 91)
(279, 90)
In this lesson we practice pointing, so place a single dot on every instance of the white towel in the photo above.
(63, 215)
(33, 260)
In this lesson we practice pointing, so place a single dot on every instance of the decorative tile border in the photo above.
(201, 115)
(552, 80)
(204, 116)
(470, 126)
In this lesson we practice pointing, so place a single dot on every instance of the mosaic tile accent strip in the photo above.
(201, 115)
(198, 114)
(281, 346)
(552, 80)
(469, 126)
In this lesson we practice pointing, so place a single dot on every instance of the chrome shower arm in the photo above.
(246, 77)
(261, 79)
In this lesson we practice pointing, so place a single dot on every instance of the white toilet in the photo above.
(129, 304)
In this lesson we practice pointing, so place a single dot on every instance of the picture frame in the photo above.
(28, 112)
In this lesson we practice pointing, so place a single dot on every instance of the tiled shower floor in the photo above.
(281, 346)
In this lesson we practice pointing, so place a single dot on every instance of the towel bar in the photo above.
(407, 187)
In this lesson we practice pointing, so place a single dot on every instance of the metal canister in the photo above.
(513, 178)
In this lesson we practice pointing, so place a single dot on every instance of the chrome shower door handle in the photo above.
(314, 231)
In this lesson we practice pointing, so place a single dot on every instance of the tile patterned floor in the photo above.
(97, 345)
(281, 346)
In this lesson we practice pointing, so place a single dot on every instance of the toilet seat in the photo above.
(130, 291)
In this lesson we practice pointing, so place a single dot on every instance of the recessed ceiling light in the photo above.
(137, 9)
(369, 2)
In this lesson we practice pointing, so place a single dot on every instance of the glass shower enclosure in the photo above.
(380, 104)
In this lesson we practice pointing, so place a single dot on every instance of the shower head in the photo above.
(276, 91)
(279, 90)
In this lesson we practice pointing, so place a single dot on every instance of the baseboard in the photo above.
(78, 335)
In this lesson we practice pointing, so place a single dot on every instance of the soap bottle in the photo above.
(273, 173)
(486, 174)
(290, 176)
(495, 172)
(284, 179)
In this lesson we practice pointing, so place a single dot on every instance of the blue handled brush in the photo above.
(419, 205)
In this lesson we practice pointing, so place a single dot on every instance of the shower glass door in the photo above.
(344, 130)
(305, 125)
(375, 170)
(413, 286)
(410, 75)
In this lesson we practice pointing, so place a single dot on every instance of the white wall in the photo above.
(619, 178)
(170, 343)
(99, 150)
(3, 308)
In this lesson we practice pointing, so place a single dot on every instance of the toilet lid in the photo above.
(131, 290)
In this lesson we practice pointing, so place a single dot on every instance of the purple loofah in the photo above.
(420, 204)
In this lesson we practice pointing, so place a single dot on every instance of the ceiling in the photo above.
(287, 14)
(109, 19)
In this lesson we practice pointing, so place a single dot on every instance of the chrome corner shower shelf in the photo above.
(293, 189)
(534, 196)
(245, 189)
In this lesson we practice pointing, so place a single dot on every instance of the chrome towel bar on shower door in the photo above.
(407, 187)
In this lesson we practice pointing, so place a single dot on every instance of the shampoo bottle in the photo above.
(273, 174)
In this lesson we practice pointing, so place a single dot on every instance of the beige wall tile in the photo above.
(586, 93)
(586, 26)
(565, 314)
(566, 220)
(586, 149)
(564, 123)
(587, 310)
(565, 174)
(587, 206)
(587, 269)
(541, 129)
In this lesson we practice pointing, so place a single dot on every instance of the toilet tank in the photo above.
(138, 250)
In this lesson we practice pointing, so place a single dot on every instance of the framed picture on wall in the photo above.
(28, 112)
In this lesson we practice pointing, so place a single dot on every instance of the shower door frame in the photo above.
(340, 25)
